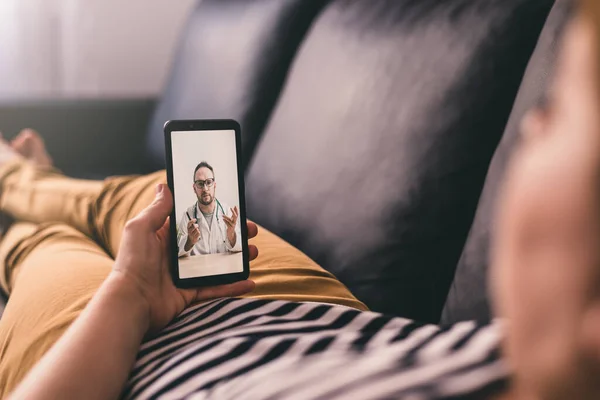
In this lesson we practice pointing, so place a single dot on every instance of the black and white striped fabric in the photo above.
(266, 349)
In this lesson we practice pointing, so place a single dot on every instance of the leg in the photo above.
(51, 272)
(282, 272)
(40, 194)
(101, 209)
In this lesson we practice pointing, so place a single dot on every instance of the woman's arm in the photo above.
(93, 358)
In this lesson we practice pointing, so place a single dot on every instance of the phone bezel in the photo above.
(206, 125)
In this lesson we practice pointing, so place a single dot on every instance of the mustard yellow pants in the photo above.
(63, 245)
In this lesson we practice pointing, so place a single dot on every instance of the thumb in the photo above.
(157, 212)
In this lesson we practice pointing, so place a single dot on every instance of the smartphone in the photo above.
(204, 174)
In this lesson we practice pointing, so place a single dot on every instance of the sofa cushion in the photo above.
(468, 297)
(374, 159)
(231, 63)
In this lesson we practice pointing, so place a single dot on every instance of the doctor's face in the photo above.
(204, 186)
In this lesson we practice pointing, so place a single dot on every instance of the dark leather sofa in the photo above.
(375, 133)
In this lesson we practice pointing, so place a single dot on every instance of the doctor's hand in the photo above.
(230, 222)
(193, 234)
(142, 265)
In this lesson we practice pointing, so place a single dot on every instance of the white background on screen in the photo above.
(215, 147)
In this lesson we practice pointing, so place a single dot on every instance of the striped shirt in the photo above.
(271, 349)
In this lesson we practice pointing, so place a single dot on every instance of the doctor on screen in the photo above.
(208, 226)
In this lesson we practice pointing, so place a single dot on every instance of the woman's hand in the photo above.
(143, 263)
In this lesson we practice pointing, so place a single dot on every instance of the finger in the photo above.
(252, 229)
(230, 290)
(252, 252)
(156, 213)
(163, 235)
(164, 231)
(226, 219)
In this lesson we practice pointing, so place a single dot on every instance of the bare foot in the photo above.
(30, 145)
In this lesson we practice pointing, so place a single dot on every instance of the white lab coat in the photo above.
(212, 240)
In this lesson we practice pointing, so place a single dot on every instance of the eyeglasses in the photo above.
(207, 183)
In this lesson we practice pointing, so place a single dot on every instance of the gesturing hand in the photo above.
(143, 261)
(193, 234)
(231, 221)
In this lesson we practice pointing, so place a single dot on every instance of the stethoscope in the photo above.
(216, 216)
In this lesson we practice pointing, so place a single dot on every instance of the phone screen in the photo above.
(208, 203)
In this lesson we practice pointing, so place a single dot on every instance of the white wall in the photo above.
(87, 48)
(216, 148)
(29, 47)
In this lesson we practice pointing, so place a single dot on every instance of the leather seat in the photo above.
(231, 63)
(468, 298)
(376, 153)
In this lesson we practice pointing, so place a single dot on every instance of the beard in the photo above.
(206, 199)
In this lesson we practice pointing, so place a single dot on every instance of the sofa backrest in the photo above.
(231, 62)
(375, 156)
(468, 298)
